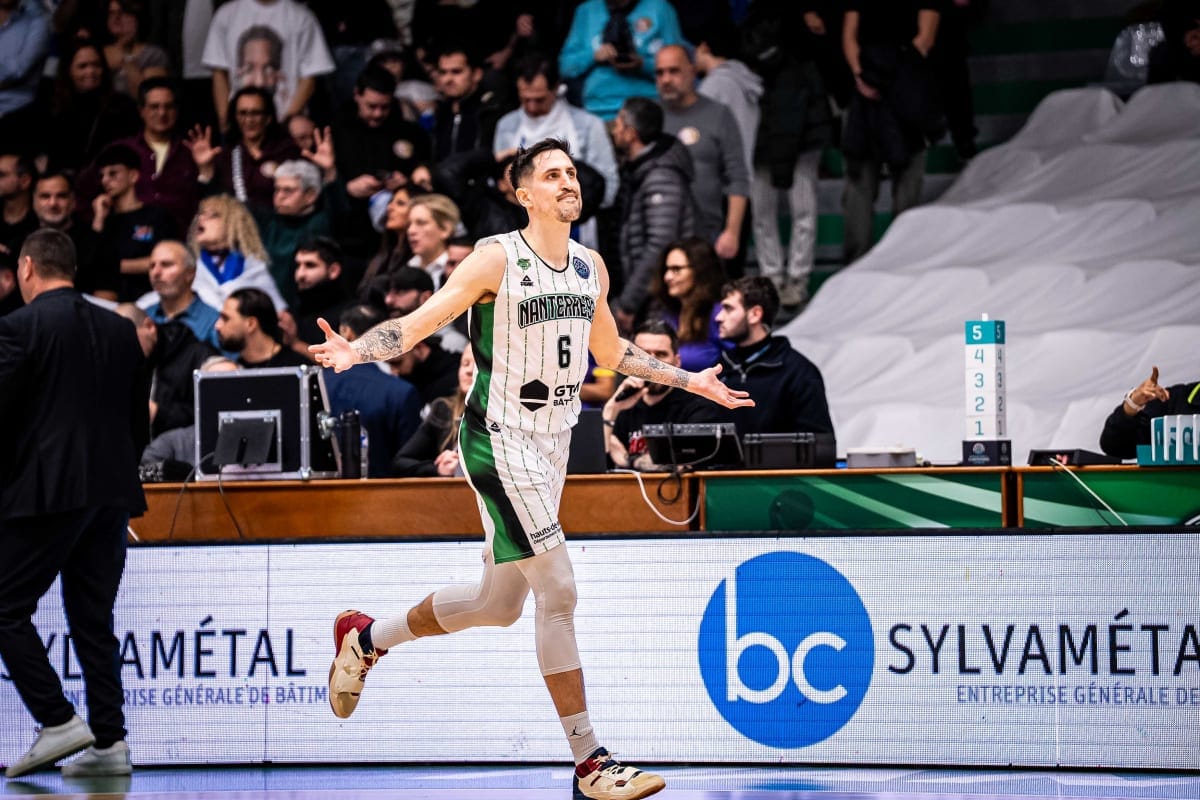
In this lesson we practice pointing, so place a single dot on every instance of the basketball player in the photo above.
(537, 302)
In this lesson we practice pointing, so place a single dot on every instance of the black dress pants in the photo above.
(87, 547)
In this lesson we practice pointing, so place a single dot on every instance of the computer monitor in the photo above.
(699, 445)
(291, 397)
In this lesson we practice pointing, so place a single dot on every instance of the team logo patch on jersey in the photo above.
(524, 263)
(526, 280)
(535, 395)
(551, 307)
(581, 267)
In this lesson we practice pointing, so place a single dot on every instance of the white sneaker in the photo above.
(112, 760)
(602, 777)
(351, 664)
(52, 744)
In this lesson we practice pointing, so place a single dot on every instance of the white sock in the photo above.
(387, 633)
(580, 735)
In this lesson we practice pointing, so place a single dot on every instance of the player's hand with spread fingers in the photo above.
(335, 351)
(707, 384)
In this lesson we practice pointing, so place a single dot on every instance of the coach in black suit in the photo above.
(72, 391)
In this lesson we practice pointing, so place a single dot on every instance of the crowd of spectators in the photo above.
(232, 170)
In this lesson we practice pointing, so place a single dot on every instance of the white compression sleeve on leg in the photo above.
(497, 600)
(553, 582)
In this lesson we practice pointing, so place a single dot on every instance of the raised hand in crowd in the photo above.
(322, 153)
(204, 153)
(101, 208)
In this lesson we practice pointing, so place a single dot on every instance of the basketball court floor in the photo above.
(512, 782)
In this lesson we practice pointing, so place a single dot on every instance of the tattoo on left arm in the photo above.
(639, 364)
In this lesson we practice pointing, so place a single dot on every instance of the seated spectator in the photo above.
(167, 175)
(302, 130)
(389, 407)
(432, 219)
(275, 44)
(318, 277)
(128, 227)
(432, 451)
(407, 289)
(249, 327)
(655, 201)
(417, 97)
(179, 444)
(1177, 57)
(479, 186)
(129, 57)
(393, 249)
(1129, 423)
(17, 219)
(687, 296)
(172, 355)
(544, 114)
(377, 151)
(300, 214)
(10, 292)
(465, 117)
(229, 253)
(86, 113)
(254, 148)
(639, 402)
(788, 391)
(612, 54)
(172, 273)
(54, 205)
(24, 41)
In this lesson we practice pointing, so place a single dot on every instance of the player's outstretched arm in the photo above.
(615, 353)
(476, 278)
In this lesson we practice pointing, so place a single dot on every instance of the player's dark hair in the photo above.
(522, 165)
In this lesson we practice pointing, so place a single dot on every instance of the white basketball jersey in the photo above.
(531, 344)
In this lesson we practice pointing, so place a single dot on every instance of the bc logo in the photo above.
(786, 650)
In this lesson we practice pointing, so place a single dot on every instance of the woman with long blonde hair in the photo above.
(229, 252)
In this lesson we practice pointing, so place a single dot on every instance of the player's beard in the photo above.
(568, 211)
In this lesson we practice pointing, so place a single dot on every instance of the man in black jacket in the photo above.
(1129, 423)
(655, 201)
(71, 373)
(788, 391)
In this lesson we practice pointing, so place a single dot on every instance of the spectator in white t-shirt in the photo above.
(276, 44)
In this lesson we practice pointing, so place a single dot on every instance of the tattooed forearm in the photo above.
(639, 364)
(384, 341)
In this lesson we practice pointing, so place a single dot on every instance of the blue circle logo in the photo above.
(786, 650)
(581, 267)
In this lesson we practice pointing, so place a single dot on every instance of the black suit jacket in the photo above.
(73, 399)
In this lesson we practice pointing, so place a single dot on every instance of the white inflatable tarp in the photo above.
(1082, 233)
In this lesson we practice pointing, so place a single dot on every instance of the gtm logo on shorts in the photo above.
(786, 650)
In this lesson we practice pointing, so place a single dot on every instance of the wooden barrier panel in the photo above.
(412, 507)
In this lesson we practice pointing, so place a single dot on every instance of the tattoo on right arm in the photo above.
(383, 342)
(640, 364)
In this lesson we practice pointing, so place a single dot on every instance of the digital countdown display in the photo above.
(1077, 649)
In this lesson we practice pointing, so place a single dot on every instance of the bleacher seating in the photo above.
(1081, 233)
